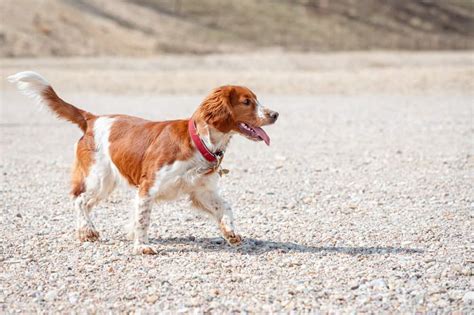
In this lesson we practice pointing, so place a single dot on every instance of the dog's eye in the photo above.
(246, 101)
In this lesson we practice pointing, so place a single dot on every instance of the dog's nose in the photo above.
(274, 115)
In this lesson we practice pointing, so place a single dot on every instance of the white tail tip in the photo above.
(30, 83)
(28, 76)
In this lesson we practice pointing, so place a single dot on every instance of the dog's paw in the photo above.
(87, 234)
(144, 249)
(233, 239)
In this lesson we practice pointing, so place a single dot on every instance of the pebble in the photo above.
(468, 297)
(51, 295)
(152, 298)
(378, 283)
(73, 297)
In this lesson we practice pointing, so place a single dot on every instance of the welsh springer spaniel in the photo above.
(163, 160)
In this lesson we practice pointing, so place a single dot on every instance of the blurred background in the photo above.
(36, 28)
(274, 46)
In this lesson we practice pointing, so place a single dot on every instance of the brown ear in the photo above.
(216, 109)
(228, 93)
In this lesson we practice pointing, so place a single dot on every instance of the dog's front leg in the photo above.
(226, 225)
(141, 222)
(211, 203)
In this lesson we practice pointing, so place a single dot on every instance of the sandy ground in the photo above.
(363, 202)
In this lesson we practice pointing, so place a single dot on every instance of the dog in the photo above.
(162, 160)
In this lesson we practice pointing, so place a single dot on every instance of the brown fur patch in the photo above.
(85, 150)
(65, 110)
(140, 147)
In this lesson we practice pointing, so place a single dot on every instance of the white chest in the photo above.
(183, 177)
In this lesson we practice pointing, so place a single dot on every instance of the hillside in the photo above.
(147, 27)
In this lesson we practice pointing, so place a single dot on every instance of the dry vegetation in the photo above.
(148, 27)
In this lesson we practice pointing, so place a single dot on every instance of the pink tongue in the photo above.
(262, 134)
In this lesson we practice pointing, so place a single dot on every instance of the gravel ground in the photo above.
(362, 203)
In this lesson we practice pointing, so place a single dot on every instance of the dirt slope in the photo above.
(149, 27)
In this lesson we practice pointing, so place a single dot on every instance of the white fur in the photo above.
(141, 222)
(214, 139)
(30, 84)
(104, 172)
(260, 110)
(182, 177)
(103, 175)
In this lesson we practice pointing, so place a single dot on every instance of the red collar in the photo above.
(206, 153)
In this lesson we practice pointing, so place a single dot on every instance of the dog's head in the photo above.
(236, 109)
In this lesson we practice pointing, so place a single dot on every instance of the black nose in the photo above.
(274, 115)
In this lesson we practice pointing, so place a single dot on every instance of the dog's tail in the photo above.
(35, 86)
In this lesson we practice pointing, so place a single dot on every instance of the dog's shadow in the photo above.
(252, 246)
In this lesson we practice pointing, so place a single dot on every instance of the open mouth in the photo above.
(254, 133)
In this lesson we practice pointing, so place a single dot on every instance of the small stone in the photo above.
(151, 299)
(73, 297)
(378, 283)
(280, 157)
(51, 295)
(455, 295)
(468, 297)
(353, 285)
(214, 292)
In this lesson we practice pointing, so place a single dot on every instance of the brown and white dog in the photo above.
(163, 160)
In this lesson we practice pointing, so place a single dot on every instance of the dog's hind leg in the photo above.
(86, 232)
(82, 197)
(96, 189)
(90, 184)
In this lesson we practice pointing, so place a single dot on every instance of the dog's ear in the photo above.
(229, 95)
(216, 109)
